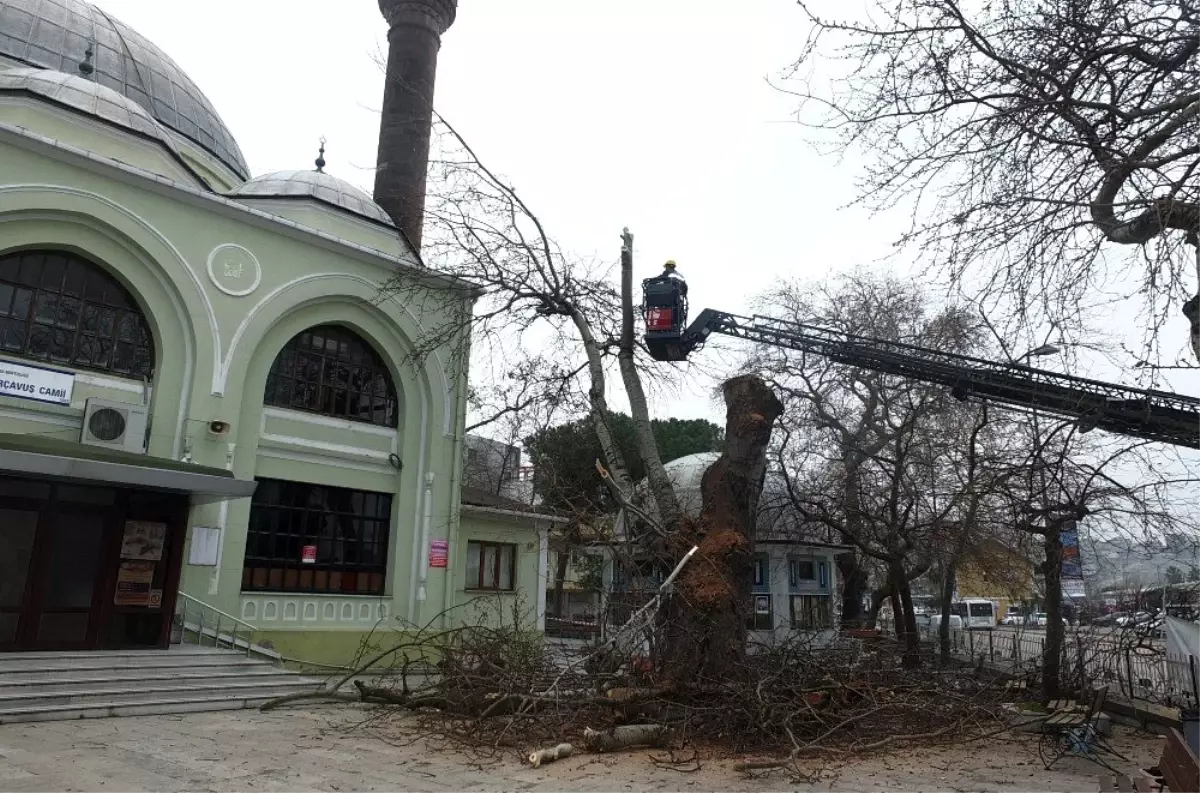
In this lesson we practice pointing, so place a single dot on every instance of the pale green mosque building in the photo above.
(209, 402)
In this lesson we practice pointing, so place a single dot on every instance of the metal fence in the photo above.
(1134, 665)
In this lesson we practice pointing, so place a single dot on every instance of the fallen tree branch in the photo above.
(551, 754)
(309, 696)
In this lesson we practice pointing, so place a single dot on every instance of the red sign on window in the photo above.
(308, 554)
(439, 553)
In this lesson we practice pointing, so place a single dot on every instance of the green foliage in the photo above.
(589, 568)
(564, 457)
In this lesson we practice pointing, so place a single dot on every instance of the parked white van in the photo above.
(976, 613)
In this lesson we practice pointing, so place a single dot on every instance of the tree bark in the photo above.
(656, 473)
(897, 608)
(599, 402)
(1052, 655)
(703, 624)
(948, 586)
(854, 586)
(560, 578)
(909, 638)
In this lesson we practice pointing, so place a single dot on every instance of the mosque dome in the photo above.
(56, 34)
(776, 516)
(317, 185)
(85, 96)
(686, 474)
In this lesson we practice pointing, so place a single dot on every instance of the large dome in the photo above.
(87, 97)
(313, 184)
(777, 518)
(55, 34)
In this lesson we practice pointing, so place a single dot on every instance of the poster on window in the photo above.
(143, 540)
(133, 584)
(439, 553)
(308, 554)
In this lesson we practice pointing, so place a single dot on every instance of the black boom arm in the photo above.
(1152, 415)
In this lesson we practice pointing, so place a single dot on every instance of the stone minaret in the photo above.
(415, 29)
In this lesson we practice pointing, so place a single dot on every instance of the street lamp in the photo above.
(1038, 352)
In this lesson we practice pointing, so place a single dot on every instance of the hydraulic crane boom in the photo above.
(1153, 415)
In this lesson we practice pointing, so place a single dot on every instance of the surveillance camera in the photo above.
(218, 427)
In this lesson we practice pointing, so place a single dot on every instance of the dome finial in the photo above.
(85, 66)
(320, 163)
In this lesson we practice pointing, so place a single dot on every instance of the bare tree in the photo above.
(1118, 487)
(533, 297)
(1028, 133)
(858, 446)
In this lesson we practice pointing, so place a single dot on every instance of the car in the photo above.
(932, 621)
(1132, 620)
(1011, 619)
(1039, 620)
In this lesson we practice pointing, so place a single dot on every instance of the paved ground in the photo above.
(321, 749)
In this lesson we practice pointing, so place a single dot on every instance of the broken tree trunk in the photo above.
(703, 627)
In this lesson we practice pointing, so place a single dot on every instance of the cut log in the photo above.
(551, 754)
(626, 737)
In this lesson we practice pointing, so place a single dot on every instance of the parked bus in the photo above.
(976, 613)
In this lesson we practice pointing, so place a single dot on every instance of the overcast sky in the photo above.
(655, 114)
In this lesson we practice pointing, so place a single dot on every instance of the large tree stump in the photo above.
(703, 627)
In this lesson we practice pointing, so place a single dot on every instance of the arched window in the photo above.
(332, 371)
(60, 308)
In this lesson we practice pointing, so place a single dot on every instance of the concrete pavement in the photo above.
(331, 749)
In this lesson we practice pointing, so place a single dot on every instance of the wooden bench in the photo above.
(1179, 766)
(1125, 784)
(1063, 704)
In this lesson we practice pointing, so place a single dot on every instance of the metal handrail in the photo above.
(182, 609)
(226, 615)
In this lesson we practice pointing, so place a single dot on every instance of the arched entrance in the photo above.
(91, 538)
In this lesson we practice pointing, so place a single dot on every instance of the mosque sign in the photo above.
(36, 383)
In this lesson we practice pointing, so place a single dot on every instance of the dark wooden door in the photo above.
(53, 566)
(64, 597)
(18, 536)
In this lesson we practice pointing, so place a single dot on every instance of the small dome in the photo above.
(81, 94)
(313, 184)
(54, 34)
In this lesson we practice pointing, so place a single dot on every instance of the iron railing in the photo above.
(1132, 665)
(205, 627)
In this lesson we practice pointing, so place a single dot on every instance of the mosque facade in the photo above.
(211, 398)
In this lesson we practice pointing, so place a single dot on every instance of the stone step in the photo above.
(133, 694)
(102, 710)
(116, 678)
(58, 665)
(175, 651)
(41, 686)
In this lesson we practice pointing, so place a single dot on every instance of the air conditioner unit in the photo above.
(115, 425)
